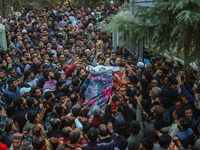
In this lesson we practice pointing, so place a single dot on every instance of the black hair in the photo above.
(164, 140)
(29, 101)
(135, 127)
(92, 134)
(121, 142)
(74, 97)
(146, 104)
(11, 80)
(74, 136)
(75, 80)
(39, 143)
(65, 132)
(17, 101)
(36, 130)
(9, 124)
(180, 113)
(48, 95)
(59, 95)
(147, 144)
(60, 83)
(86, 126)
(69, 121)
(168, 64)
(55, 123)
(66, 90)
(76, 89)
(165, 102)
(185, 122)
(58, 108)
(32, 115)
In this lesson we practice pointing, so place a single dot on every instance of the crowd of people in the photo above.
(48, 71)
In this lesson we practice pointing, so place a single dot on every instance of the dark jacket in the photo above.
(102, 146)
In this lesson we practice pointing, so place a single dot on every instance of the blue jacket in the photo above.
(10, 95)
(186, 137)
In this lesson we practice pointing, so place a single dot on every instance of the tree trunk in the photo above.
(186, 50)
(2, 8)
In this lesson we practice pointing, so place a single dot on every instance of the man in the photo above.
(42, 79)
(92, 136)
(136, 127)
(20, 111)
(51, 82)
(17, 141)
(10, 128)
(3, 79)
(10, 94)
(186, 135)
(38, 132)
(25, 92)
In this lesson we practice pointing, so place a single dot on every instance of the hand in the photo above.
(178, 78)
(87, 101)
(176, 140)
(139, 99)
(110, 127)
(90, 70)
(156, 132)
(53, 140)
(3, 112)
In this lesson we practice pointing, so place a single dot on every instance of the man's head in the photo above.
(12, 82)
(2, 74)
(155, 92)
(183, 123)
(118, 61)
(135, 127)
(92, 134)
(165, 140)
(50, 75)
(146, 144)
(49, 96)
(40, 144)
(10, 126)
(188, 112)
(17, 141)
(74, 137)
(103, 130)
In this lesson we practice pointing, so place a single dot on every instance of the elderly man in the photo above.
(17, 141)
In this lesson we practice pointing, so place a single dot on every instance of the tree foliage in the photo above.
(170, 25)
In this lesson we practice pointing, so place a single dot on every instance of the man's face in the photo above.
(83, 73)
(118, 61)
(188, 113)
(62, 58)
(14, 84)
(77, 49)
(35, 61)
(175, 65)
(154, 83)
(2, 75)
(38, 93)
(178, 105)
(149, 68)
(160, 74)
(16, 144)
(59, 49)
(24, 61)
(19, 82)
(55, 58)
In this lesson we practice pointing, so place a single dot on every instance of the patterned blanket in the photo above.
(99, 89)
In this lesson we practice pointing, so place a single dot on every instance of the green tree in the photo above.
(169, 26)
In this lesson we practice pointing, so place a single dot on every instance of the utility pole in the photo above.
(2, 8)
